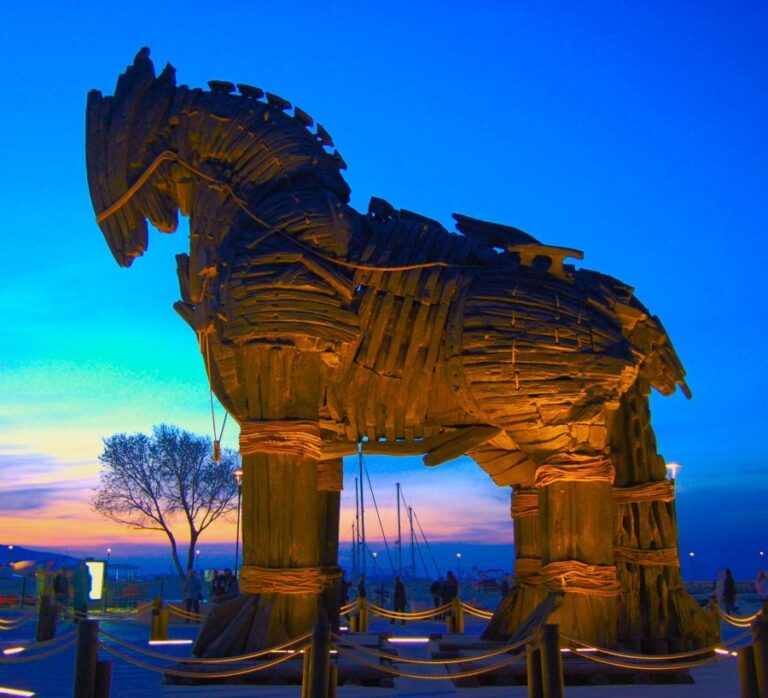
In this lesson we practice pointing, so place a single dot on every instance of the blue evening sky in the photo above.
(635, 131)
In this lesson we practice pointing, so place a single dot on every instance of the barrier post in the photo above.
(158, 624)
(458, 616)
(747, 673)
(533, 670)
(103, 684)
(363, 622)
(47, 616)
(760, 644)
(86, 659)
(333, 679)
(163, 622)
(552, 662)
(321, 643)
(306, 672)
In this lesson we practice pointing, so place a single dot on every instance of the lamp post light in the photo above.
(197, 559)
(458, 565)
(692, 556)
(672, 470)
(238, 475)
(106, 577)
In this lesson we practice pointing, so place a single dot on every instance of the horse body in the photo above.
(381, 327)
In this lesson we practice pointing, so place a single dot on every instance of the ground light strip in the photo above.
(14, 650)
(171, 642)
(408, 640)
(14, 692)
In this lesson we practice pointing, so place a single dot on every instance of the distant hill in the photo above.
(15, 554)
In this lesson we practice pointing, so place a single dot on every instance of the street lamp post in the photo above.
(672, 470)
(197, 559)
(106, 577)
(238, 475)
(458, 565)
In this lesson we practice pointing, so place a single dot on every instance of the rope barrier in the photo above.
(736, 621)
(203, 660)
(13, 623)
(654, 657)
(432, 677)
(348, 608)
(182, 613)
(418, 615)
(199, 675)
(35, 657)
(477, 612)
(650, 667)
(431, 662)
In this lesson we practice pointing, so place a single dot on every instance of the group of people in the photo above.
(444, 591)
(224, 586)
(79, 583)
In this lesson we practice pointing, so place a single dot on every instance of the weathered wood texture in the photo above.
(383, 328)
(657, 614)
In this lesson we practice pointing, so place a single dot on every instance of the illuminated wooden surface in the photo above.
(387, 327)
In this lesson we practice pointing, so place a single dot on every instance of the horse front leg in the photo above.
(290, 499)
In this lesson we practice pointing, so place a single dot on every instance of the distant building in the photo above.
(120, 572)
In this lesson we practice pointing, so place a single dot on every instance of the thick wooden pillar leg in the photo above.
(289, 577)
(527, 592)
(576, 519)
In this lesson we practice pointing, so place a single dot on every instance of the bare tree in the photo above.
(150, 482)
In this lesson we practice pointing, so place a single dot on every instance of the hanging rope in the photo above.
(168, 156)
(287, 580)
(574, 467)
(208, 660)
(289, 437)
(369, 651)
(378, 515)
(34, 657)
(657, 491)
(580, 578)
(426, 542)
(739, 622)
(199, 675)
(659, 557)
(656, 657)
(477, 612)
(415, 615)
(431, 677)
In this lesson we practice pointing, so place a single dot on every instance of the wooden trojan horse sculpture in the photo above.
(323, 329)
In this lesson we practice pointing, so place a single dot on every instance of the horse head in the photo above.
(154, 149)
(122, 144)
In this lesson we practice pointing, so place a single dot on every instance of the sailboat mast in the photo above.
(413, 542)
(356, 536)
(399, 534)
(364, 549)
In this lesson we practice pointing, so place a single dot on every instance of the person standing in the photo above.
(61, 591)
(361, 592)
(761, 586)
(399, 600)
(435, 589)
(192, 592)
(504, 588)
(729, 592)
(81, 589)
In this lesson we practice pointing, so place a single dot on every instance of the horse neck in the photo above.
(245, 165)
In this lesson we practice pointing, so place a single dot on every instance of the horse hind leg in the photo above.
(562, 509)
